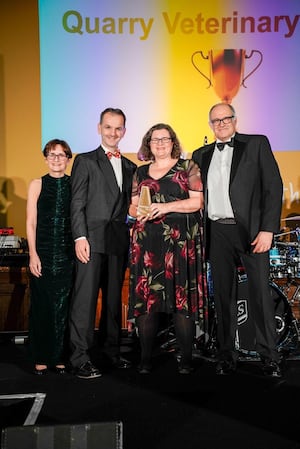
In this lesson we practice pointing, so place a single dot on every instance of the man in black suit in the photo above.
(243, 201)
(101, 193)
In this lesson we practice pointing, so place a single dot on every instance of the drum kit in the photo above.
(285, 293)
(285, 265)
(284, 259)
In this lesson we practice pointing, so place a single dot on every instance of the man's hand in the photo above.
(262, 242)
(82, 250)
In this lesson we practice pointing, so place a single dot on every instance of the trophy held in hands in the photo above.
(144, 201)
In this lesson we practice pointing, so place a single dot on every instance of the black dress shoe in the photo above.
(41, 372)
(185, 368)
(144, 369)
(120, 362)
(271, 368)
(88, 371)
(60, 370)
(225, 367)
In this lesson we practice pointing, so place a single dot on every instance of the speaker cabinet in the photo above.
(14, 298)
(102, 435)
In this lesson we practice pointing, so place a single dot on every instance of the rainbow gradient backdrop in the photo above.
(151, 76)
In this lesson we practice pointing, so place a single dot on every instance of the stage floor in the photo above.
(164, 410)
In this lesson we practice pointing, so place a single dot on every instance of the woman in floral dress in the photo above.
(166, 256)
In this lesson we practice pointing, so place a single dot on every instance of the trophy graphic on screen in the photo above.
(144, 201)
(226, 70)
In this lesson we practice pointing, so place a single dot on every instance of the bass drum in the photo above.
(285, 321)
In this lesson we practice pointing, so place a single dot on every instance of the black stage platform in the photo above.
(163, 410)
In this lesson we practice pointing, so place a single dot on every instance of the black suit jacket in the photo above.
(255, 188)
(98, 207)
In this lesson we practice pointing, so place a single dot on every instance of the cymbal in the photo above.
(285, 233)
(287, 243)
(296, 217)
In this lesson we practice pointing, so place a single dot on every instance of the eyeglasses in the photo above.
(53, 156)
(162, 140)
(225, 121)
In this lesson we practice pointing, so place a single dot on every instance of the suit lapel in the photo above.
(206, 158)
(239, 148)
(126, 178)
(107, 172)
(238, 151)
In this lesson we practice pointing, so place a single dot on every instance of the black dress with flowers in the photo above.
(167, 271)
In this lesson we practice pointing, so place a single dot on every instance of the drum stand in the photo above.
(170, 344)
(287, 322)
(295, 325)
(291, 290)
(203, 343)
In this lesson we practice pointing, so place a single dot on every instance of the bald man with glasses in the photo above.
(243, 200)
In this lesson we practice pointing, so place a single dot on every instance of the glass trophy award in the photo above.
(144, 201)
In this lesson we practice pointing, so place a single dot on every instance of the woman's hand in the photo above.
(157, 210)
(35, 265)
(132, 210)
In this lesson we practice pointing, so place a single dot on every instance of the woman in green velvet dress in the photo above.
(50, 260)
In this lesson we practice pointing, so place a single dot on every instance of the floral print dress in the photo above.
(167, 272)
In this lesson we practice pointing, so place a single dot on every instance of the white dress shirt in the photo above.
(117, 166)
(219, 205)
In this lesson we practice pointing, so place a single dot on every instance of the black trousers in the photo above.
(105, 272)
(226, 254)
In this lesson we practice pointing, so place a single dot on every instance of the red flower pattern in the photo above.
(135, 253)
(175, 233)
(180, 177)
(166, 254)
(180, 297)
(149, 260)
(151, 183)
(169, 263)
(142, 288)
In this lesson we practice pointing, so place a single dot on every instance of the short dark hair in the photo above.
(145, 153)
(52, 144)
(113, 111)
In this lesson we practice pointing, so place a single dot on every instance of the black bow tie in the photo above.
(221, 145)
